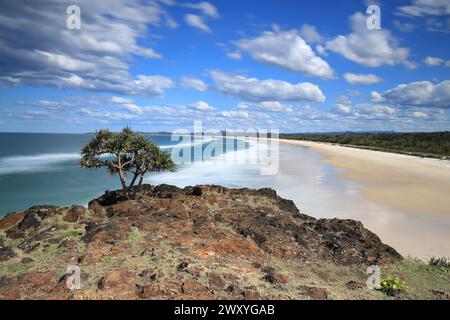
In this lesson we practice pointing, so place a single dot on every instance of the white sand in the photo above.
(415, 192)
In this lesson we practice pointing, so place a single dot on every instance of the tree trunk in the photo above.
(140, 181)
(123, 182)
(134, 179)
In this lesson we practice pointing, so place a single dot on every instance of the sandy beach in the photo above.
(415, 193)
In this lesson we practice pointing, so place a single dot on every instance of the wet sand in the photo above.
(409, 197)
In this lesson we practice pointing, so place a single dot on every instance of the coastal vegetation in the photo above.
(428, 144)
(125, 152)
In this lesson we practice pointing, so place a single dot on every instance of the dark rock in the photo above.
(7, 253)
(29, 221)
(215, 281)
(28, 246)
(440, 295)
(26, 260)
(257, 237)
(276, 278)
(268, 269)
(194, 191)
(14, 234)
(148, 274)
(354, 285)
(182, 266)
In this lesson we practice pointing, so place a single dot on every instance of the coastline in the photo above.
(404, 199)
(424, 182)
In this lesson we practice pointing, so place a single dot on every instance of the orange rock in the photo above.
(75, 213)
(117, 281)
(11, 220)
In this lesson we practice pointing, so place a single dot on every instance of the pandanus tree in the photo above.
(125, 153)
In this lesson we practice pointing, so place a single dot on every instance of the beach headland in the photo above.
(202, 242)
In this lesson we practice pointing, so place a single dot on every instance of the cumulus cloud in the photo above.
(419, 8)
(370, 48)
(92, 58)
(418, 94)
(253, 89)
(193, 83)
(433, 61)
(202, 106)
(288, 50)
(353, 78)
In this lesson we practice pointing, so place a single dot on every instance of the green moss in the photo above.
(19, 268)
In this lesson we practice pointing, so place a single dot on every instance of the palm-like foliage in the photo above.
(125, 152)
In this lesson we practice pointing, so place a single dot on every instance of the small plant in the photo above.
(105, 259)
(393, 286)
(442, 264)
(70, 234)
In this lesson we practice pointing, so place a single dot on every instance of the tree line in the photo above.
(421, 143)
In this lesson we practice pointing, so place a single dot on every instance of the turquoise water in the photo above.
(43, 169)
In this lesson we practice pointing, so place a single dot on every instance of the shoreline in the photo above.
(404, 199)
(424, 182)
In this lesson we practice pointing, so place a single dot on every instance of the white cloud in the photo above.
(196, 21)
(92, 58)
(404, 26)
(202, 106)
(310, 34)
(420, 115)
(288, 50)
(120, 100)
(132, 108)
(341, 108)
(370, 48)
(193, 83)
(376, 97)
(419, 94)
(272, 106)
(253, 89)
(234, 114)
(433, 61)
(375, 110)
(205, 7)
(420, 8)
(361, 78)
(235, 55)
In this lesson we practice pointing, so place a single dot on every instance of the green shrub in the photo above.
(393, 286)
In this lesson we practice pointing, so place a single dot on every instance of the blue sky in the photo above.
(296, 66)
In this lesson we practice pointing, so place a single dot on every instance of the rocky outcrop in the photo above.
(202, 242)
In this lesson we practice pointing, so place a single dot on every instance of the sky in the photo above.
(290, 65)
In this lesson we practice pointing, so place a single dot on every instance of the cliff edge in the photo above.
(202, 242)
